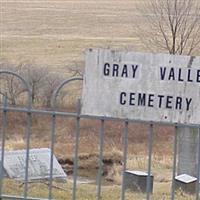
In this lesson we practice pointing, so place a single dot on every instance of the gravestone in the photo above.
(187, 151)
(39, 165)
(137, 181)
(186, 182)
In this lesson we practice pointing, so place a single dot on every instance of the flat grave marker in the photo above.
(137, 181)
(39, 165)
(186, 182)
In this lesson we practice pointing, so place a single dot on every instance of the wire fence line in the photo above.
(29, 111)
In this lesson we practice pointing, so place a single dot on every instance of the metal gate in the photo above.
(53, 113)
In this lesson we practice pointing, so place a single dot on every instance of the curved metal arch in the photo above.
(23, 81)
(1, 93)
(55, 94)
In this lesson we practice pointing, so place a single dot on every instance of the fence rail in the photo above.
(29, 111)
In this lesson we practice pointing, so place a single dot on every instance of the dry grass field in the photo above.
(55, 33)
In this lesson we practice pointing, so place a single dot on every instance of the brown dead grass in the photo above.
(89, 135)
(89, 144)
(88, 157)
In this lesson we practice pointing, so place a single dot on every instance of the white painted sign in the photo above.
(39, 164)
(148, 87)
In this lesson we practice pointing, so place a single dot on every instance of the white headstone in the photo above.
(39, 164)
(138, 173)
(185, 178)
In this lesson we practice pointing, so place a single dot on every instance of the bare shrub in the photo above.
(41, 82)
(170, 25)
(50, 84)
(35, 76)
(76, 68)
(10, 85)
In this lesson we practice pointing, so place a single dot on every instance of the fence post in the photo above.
(53, 128)
(125, 151)
(99, 177)
(198, 166)
(150, 146)
(4, 122)
(174, 164)
(76, 148)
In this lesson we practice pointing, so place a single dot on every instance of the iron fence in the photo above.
(54, 113)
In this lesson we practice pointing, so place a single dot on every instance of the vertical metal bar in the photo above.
(125, 150)
(4, 120)
(76, 148)
(198, 167)
(53, 128)
(101, 136)
(28, 134)
(150, 146)
(174, 164)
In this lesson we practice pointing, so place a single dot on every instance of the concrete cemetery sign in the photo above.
(39, 164)
(148, 87)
